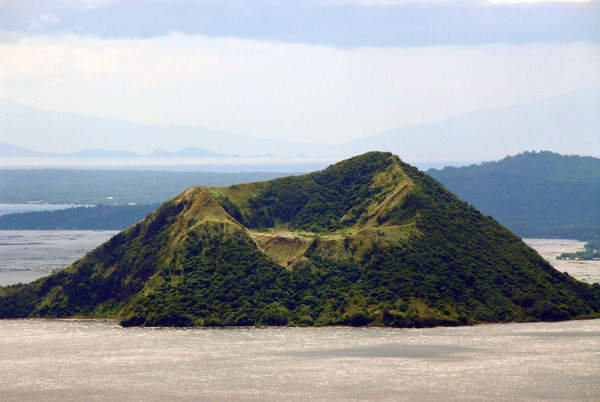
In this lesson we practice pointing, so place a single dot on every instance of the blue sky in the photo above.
(324, 71)
(334, 23)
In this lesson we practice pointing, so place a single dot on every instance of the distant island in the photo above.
(591, 252)
(369, 241)
(14, 151)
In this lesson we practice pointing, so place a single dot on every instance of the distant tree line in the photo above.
(591, 252)
(100, 217)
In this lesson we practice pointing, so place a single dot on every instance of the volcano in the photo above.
(369, 241)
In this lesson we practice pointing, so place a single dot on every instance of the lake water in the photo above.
(98, 360)
(586, 271)
(26, 255)
(210, 164)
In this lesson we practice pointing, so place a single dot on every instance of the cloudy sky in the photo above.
(320, 71)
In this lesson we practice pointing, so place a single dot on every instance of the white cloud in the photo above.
(43, 19)
(92, 4)
(284, 90)
(49, 18)
(34, 25)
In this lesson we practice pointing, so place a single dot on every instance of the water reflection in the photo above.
(98, 360)
(437, 352)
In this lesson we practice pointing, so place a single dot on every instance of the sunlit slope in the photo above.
(367, 241)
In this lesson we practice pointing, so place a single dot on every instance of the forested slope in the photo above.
(534, 194)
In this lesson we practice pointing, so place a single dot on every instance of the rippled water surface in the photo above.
(586, 271)
(26, 255)
(98, 360)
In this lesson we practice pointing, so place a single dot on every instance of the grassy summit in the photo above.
(367, 241)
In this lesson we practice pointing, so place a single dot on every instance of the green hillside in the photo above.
(368, 241)
(534, 194)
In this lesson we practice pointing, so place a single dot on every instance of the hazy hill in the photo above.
(13, 151)
(59, 132)
(566, 124)
(367, 241)
(535, 194)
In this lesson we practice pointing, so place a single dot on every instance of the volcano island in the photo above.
(369, 241)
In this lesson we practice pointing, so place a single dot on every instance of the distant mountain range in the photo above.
(59, 132)
(567, 124)
(14, 151)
